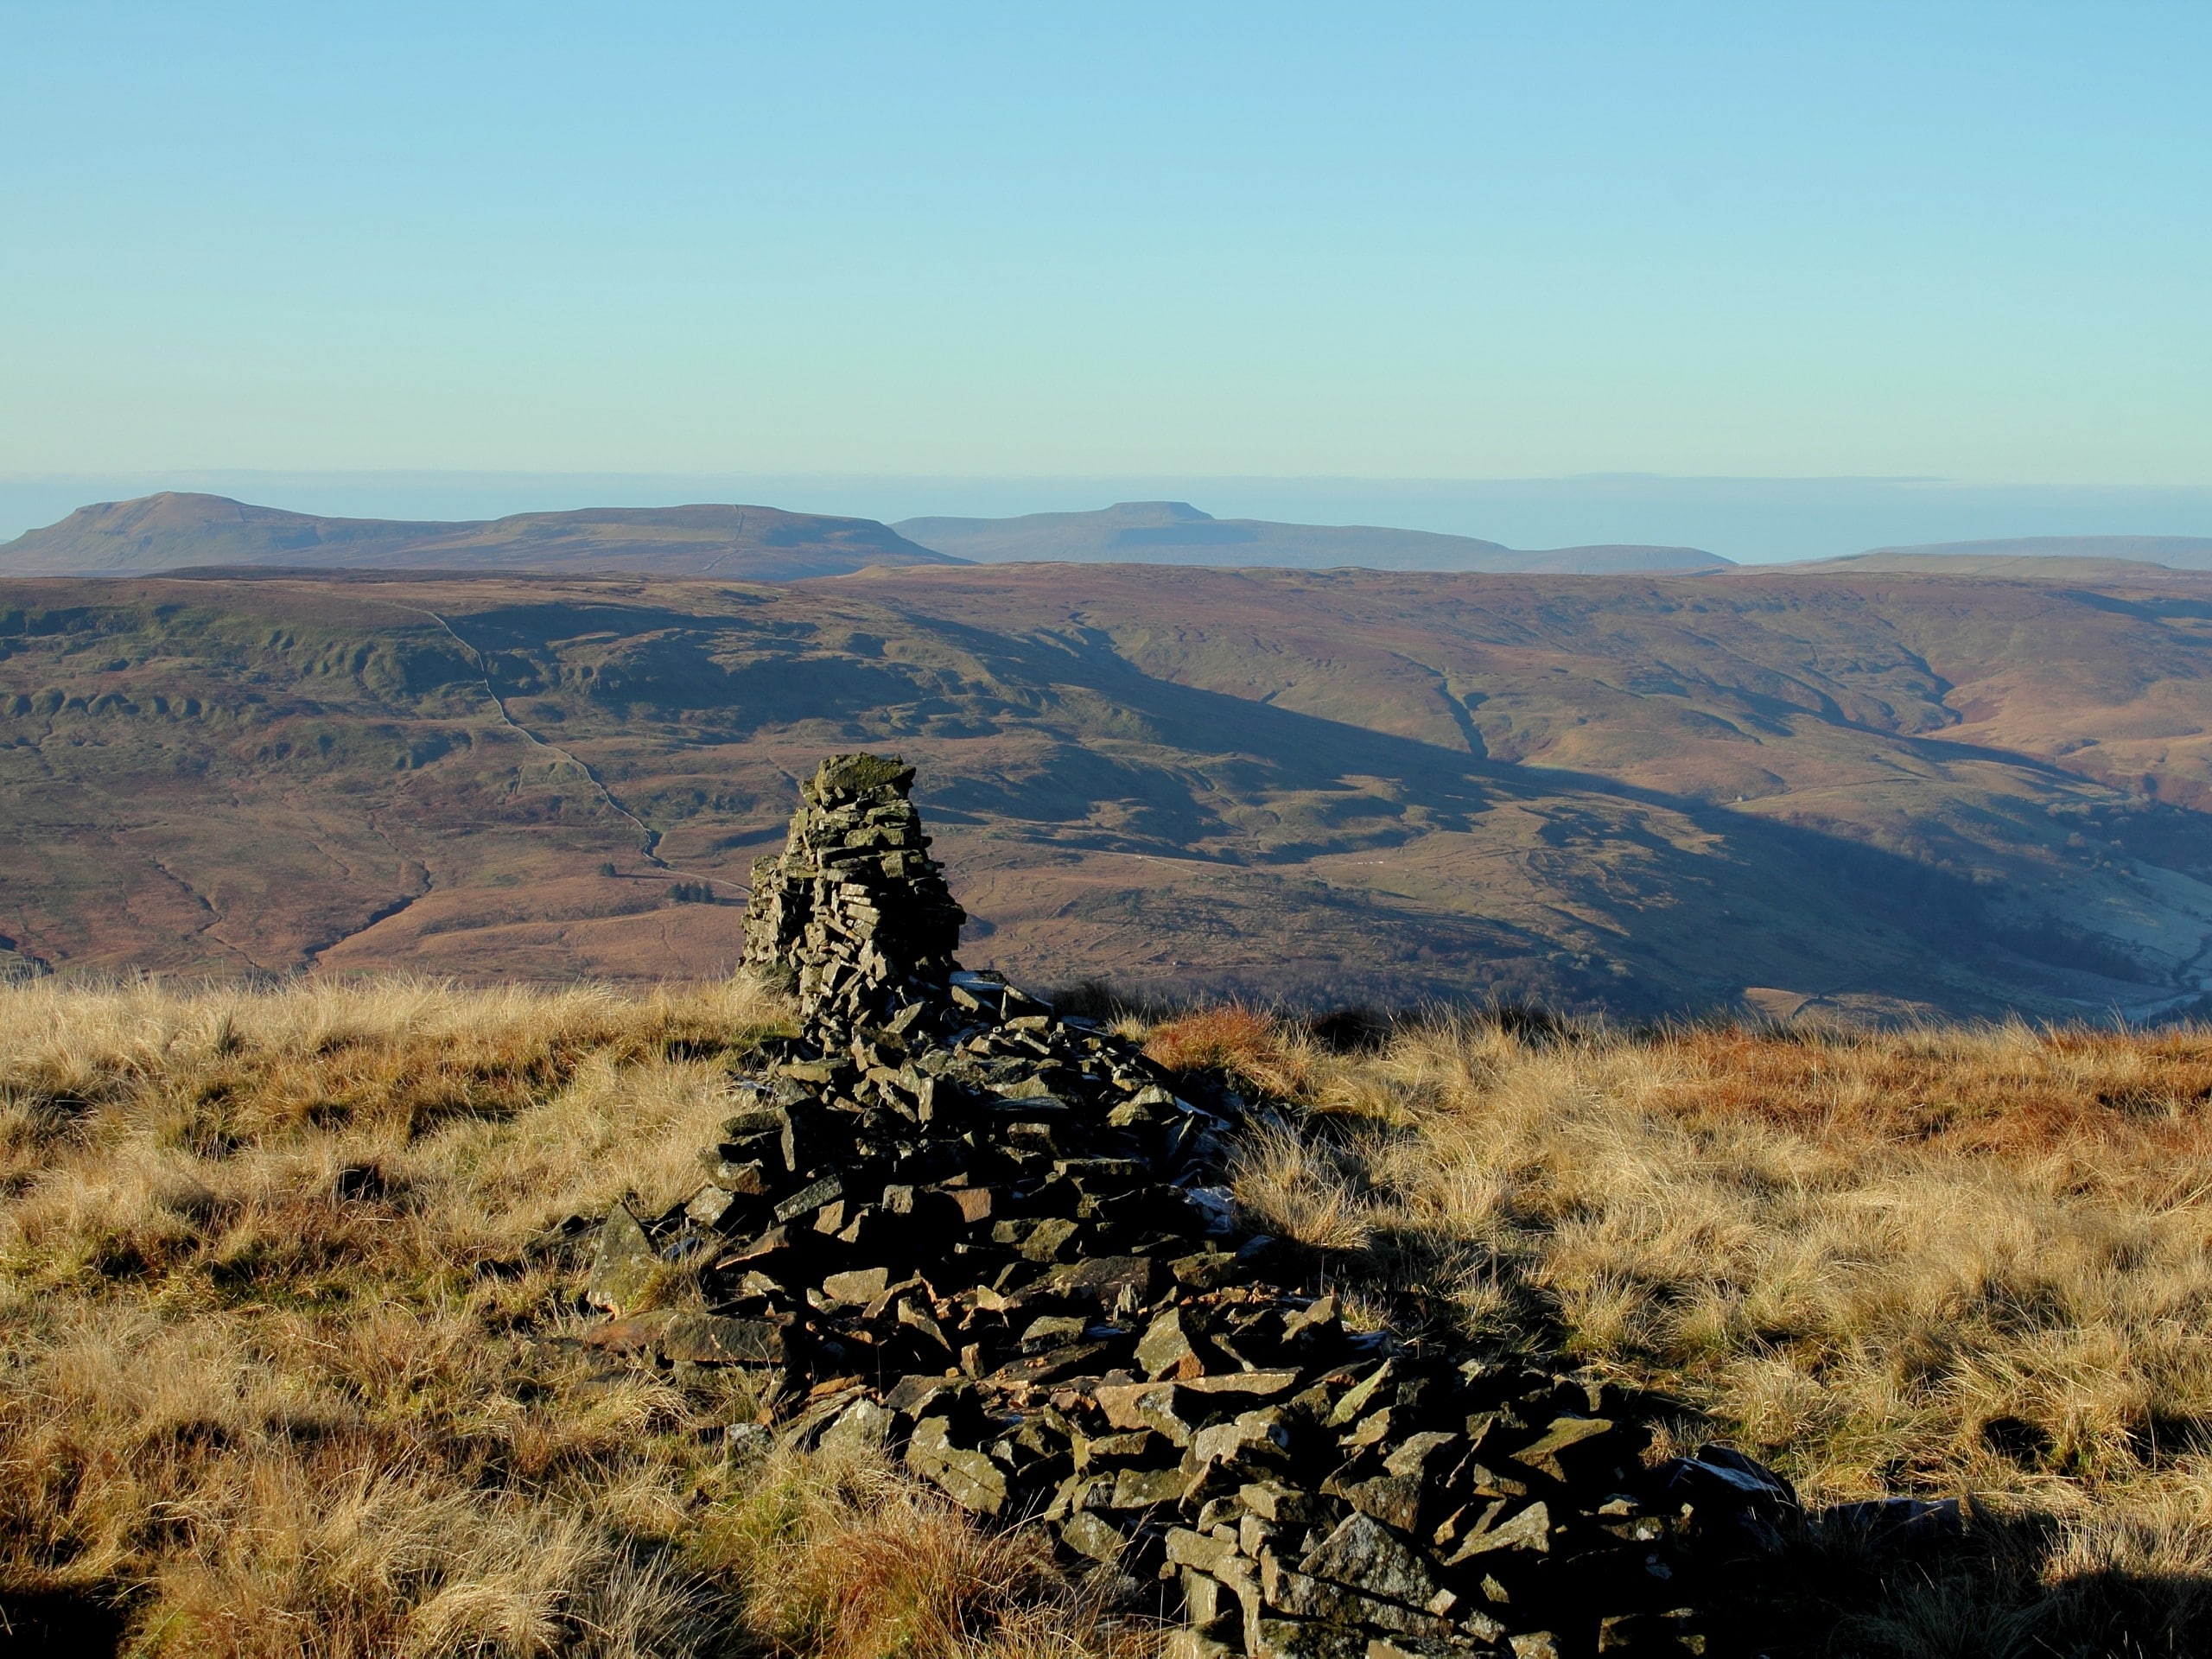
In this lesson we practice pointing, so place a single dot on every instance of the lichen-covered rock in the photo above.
(626, 1263)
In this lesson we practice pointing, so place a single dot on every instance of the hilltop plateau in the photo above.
(174, 531)
(2034, 558)
(1175, 533)
(1867, 795)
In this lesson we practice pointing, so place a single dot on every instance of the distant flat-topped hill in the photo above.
(1175, 533)
(2070, 558)
(171, 531)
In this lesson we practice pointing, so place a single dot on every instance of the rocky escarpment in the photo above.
(995, 1243)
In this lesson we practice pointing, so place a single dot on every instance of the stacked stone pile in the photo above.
(854, 907)
(992, 1242)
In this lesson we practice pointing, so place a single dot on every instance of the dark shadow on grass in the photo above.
(62, 1624)
(2001, 1590)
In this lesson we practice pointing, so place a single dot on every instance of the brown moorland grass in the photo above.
(282, 1367)
(1969, 1262)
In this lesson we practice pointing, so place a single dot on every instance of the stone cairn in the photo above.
(855, 909)
(992, 1243)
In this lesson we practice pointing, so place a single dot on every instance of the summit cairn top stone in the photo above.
(854, 909)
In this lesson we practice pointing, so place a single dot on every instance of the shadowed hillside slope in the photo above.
(172, 531)
(1630, 793)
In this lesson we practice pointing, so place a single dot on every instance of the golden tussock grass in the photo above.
(280, 1317)
(280, 1361)
(841, 1554)
(1243, 1044)
(1940, 1262)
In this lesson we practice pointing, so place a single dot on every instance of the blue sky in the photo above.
(1446, 243)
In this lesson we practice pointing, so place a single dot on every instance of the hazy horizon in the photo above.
(1752, 520)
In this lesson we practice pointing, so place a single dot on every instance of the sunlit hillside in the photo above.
(1868, 797)
(291, 1356)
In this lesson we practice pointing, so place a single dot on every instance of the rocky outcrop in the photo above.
(995, 1242)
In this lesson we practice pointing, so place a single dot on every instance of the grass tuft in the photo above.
(1241, 1044)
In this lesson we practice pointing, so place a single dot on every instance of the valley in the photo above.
(1854, 795)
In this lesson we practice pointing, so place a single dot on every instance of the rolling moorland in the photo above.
(1867, 796)
(2025, 554)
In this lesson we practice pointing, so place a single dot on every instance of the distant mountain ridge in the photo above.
(174, 531)
(1175, 533)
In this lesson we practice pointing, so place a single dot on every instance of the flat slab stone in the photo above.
(1259, 1382)
(1144, 1405)
(969, 1479)
(1103, 1276)
(1087, 1535)
(712, 1339)
(631, 1335)
(1367, 1556)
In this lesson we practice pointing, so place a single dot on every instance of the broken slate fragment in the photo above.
(861, 1285)
(1086, 1533)
(624, 1265)
(1563, 1433)
(1138, 1488)
(969, 1479)
(807, 1199)
(711, 1339)
(1367, 1556)
(631, 1336)
(1258, 1383)
(1052, 1363)
(1105, 1277)
(708, 1205)
(1273, 1501)
(863, 1425)
(1528, 1528)
(1354, 1405)
(1395, 1500)
(1144, 1405)
(1308, 1597)
(1165, 1349)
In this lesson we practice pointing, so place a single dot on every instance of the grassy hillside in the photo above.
(1627, 794)
(288, 1318)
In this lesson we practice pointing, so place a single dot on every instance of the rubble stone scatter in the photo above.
(993, 1243)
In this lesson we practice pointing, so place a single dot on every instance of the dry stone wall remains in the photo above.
(994, 1243)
